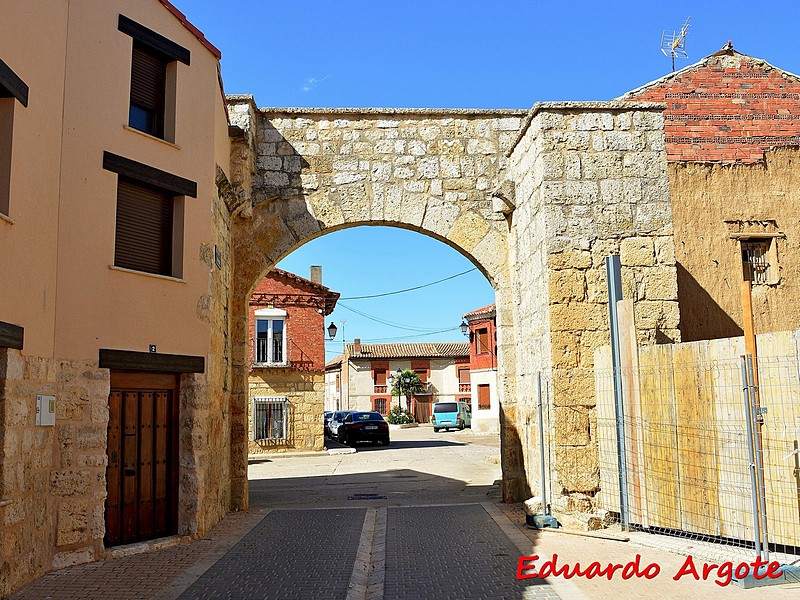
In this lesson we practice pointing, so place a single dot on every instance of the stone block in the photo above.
(578, 468)
(570, 258)
(637, 252)
(70, 559)
(567, 285)
(572, 425)
(70, 483)
(660, 283)
(73, 524)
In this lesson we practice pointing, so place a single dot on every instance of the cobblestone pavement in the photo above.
(441, 552)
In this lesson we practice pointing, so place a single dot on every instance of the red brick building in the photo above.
(482, 324)
(727, 108)
(731, 134)
(287, 320)
(287, 361)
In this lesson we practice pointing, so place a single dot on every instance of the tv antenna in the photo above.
(673, 43)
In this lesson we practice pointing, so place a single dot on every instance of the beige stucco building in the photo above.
(114, 130)
(364, 375)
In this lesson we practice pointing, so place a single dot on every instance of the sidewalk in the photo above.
(419, 553)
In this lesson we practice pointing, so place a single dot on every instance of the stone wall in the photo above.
(304, 390)
(52, 477)
(591, 181)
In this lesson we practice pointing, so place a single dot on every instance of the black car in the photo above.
(326, 418)
(364, 427)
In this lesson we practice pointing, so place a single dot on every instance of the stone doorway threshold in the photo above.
(147, 546)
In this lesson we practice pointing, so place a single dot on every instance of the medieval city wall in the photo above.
(591, 181)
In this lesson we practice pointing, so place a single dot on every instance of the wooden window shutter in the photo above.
(144, 229)
(148, 83)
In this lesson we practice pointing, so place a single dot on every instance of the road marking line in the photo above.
(369, 569)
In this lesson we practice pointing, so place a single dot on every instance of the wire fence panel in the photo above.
(688, 463)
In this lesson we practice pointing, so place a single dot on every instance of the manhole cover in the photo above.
(367, 497)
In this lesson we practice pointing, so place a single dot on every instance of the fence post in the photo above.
(748, 406)
(614, 280)
(545, 504)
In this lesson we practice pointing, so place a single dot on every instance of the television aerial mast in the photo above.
(673, 43)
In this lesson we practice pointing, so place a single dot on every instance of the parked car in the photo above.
(451, 415)
(326, 419)
(364, 427)
(336, 420)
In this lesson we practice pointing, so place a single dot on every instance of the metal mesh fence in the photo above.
(689, 467)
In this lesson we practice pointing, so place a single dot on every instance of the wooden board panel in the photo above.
(145, 472)
(657, 390)
(161, 456)
(130, 420)
(608, 497)
(696, 445)
(113, 471)
(778, 385)
(730, 433)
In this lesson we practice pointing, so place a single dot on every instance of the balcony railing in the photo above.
(380, 389)
(294, 357)
(464, 388)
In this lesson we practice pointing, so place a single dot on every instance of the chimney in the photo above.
(316, 274)
(357, 346)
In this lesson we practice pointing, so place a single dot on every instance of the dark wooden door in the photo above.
(142, 458)
(422, 409)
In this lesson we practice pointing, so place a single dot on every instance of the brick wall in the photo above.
(485, 358)
(305, 325)
(729, 109)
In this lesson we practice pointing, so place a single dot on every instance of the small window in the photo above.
(12, 90)
(270, 417)
(148, 90)
(6, 137)
(759, 260)
(270, 341)
(154, 61)
(379, 376)
(482, 341)
(484, 397)
(144, 228)
(380, 405)
(150, 205)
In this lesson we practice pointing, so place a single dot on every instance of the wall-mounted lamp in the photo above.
(332, 329)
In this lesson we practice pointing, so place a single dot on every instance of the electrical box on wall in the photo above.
(45, 410)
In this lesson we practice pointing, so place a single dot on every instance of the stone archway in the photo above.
(308, 173)
(535, 199)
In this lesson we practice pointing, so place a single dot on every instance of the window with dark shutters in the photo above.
(148, 88)
(144, 228)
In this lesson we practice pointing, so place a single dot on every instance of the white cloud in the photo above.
(311, 82)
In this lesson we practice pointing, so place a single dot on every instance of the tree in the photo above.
(407, 384)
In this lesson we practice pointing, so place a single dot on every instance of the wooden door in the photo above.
(142, 458)
(422, 409)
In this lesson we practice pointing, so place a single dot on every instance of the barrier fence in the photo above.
(690, 465)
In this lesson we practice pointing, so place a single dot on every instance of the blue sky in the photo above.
(456, 54)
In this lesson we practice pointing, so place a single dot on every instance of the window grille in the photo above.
(754, 260)
(380, 405)
(270, 416)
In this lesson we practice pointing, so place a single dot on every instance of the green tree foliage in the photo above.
(407, 384)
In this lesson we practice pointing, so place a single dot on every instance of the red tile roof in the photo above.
(486, 311)
(413, 350)
(194, 30)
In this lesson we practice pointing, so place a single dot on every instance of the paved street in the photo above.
(419, 519)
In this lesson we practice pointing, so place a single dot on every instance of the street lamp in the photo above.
(464, 327)
(332, 329)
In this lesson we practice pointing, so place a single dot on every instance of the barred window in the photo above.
(380, 405)
(759, 261)
(270, 416)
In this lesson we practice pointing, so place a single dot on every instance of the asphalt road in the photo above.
(418, 467)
